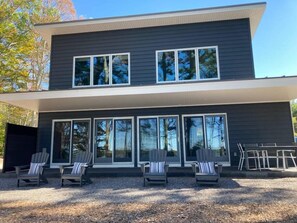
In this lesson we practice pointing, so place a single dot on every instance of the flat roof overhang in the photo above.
(164, 95)
(252, 11)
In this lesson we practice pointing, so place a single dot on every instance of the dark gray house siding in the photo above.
(232, 37)
(247, 123)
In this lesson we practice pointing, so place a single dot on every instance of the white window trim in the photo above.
(203, 115)
(177, 163)
(196, 64)
(71, 134)
(113, 164)
(92, 71)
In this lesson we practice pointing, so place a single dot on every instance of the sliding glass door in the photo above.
(69, 138)
(113, 141)
(205, 132)
(158, 133)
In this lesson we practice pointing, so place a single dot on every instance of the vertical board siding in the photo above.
(232, 38)
(247, 123)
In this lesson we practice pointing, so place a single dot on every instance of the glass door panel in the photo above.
(80, 137)
(194, 136)
(168, 128)
(61, 142)
(103, 141)
(216, 136)
(148, 137)
(122, 140)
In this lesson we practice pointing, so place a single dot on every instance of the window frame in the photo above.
(204, 115)
(110, 55)
(71, 138)
(113, 164)
(175, 163)
(197, 63)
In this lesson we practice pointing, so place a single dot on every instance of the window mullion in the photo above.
(197, 64)
(110, 69)
(176, 65)
(205, 132)
(92, 71)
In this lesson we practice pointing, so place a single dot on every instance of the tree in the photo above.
(24, 54)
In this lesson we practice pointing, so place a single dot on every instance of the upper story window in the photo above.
(101, 70)
(187, 64)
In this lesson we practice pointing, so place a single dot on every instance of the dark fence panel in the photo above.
(20, 144)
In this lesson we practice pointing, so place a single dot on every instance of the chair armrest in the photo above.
(19, 168)
(194, 167)
(220, 167)
(166, 168)
(143, 166)
(62, 168)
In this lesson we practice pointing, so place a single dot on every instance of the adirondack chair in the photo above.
(35, 173)
(155, 171)
(77, 172)
(204, 169)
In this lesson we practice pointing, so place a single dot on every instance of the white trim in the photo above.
(183, 94)
(203, 115)
(169, 106)
(252, 11)
(177, 163)
(116, 164)
(197, 63)
(92, 85)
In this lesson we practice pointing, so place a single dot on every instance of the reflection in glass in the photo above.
(103, 141)
(120, 69)
(186, 65)
(147, 137)
(123, 140)
(194, 136)
(208, 63)
(215, 132)
(168, 136)
(82, 71)
(166, 66)
(61, 143)
(101, 70)
(80, 136)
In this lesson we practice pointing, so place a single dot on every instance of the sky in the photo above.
(274, 44)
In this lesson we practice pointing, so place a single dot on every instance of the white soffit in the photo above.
(252, 11)
(202, 93)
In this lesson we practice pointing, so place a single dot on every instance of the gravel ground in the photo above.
(126, 200)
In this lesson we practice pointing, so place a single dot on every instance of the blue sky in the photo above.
(275, 42)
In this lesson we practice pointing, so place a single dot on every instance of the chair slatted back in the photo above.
(83, 157)
(250, 145)
(158, 155)
(39, 157)
(205, 155)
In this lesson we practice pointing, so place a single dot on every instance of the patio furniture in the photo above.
(264, 152)
(35, 173)
(284, 153)
(204, 169)
(155, 171)
(78, 174)
(251, 152)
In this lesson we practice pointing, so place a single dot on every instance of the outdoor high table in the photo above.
(278, 149)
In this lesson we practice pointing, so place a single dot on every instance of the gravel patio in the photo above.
(126, 200)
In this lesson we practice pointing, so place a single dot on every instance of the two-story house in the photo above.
(178, 81)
